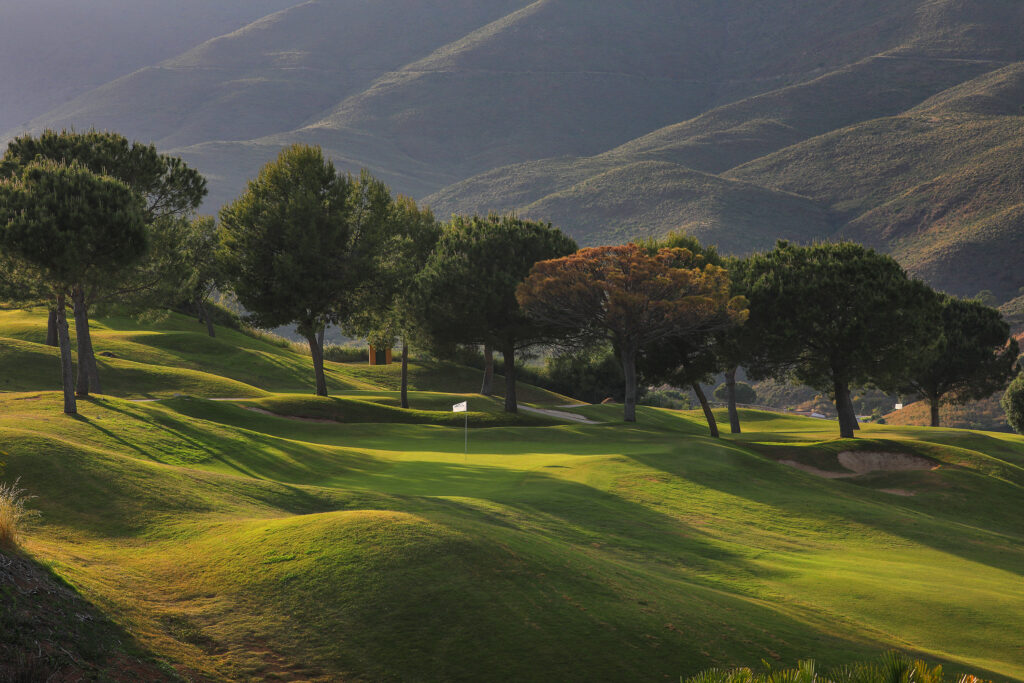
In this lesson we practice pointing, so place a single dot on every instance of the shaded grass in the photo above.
(346, 538)
(630, 550)
(175, 356)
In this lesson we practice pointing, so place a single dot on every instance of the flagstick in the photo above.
(464, 408)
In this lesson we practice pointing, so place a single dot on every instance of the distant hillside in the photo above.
(55, 50)
(735, 133)
(940, 185)
(646, 198)
(1013, 313)
(426, 94)
(986, 414)
(896, 122)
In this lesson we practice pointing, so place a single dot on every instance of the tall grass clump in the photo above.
(13, 513)
(347, 353)
(892, 667)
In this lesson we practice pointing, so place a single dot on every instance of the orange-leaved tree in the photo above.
(632, 297)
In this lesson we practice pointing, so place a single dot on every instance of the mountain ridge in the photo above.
(533, 106)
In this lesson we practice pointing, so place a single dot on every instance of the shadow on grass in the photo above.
(50, 632)
(974, 507)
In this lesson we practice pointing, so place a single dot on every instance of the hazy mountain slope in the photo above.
(940, 186)
(53, 50)
(556, 77)
(576, 78)
(893, 122)
(276, 73)
(918, 149)
(730, 135)
(567, 77)
(652, 197)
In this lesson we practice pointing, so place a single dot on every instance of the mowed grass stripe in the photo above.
(239, 544)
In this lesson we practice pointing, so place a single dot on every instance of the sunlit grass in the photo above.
(345, 537)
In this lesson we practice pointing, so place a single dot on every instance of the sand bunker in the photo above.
(863, 462)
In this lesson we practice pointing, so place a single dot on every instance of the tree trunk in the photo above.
(317, 352)
(204, 316)
(51, 328)
(628, 358)
(844, 408)
(321, 335)
(405, 373)
(934, 403)
(853, 412)
(64, 342)
(708, 414)
(734, 415)
(487, 388)
(88, 373)
(509, 353)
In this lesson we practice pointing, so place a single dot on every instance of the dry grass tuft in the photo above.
(13, 513)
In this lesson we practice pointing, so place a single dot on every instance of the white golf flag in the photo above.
(899, 406)
(461, 407)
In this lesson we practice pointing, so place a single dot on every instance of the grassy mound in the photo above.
(49, 632)
(173, 355)
(344, 538)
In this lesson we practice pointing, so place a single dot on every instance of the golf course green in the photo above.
(239, 528)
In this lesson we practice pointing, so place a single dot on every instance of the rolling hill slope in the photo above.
(938, 185)
(732, 134)
(318, 543)
(55, 50)
(275, 74)
(896, 123)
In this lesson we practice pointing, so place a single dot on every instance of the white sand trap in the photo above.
(560, 414)
(863, 462)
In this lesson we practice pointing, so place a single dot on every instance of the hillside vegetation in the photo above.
(894, 123)
(55, 50)
(277, 535)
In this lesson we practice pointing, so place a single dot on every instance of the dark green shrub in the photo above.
(1013, 404)
(589, 376)
(667, 398)
(745, 394)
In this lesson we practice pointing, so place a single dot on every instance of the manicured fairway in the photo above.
(282, 535)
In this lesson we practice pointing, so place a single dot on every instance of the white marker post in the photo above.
(899, 406)
(463, 408)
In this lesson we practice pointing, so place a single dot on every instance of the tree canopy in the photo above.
(466, 292)
(693, 359)
(385, 310)
(633, 298)
(1013, 404)
(836, 315)
(971, 356)
(300, 242)
(169, 190)
(166, 184)
(69, 225)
